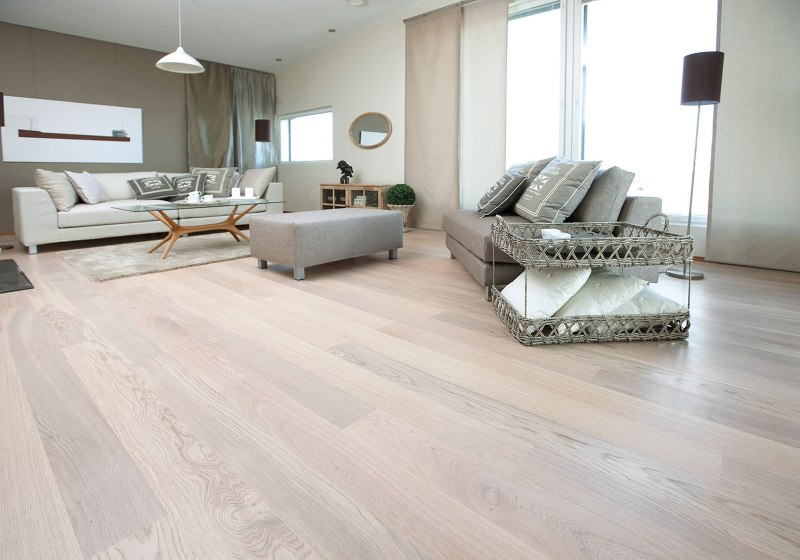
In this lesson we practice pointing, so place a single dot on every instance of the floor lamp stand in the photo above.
(685, 272)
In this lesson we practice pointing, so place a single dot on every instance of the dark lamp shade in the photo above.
(702, 78)
(263, 131)
(2, 110)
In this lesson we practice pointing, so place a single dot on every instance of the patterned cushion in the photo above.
(152, 188)
(218, 179)
(555, 193)
(184, 184)
(504, 193)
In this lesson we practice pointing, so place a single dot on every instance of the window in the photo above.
(533, 76)
(307, 136)
(620, 69)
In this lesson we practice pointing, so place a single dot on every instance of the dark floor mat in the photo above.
(12, 278)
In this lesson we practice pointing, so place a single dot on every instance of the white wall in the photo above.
(362, 73)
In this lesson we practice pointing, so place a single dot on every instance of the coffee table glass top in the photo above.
(156, 205)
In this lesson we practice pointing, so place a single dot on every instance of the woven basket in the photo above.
(591, 245)
(404, 208)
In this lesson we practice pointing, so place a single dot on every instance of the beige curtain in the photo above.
(482, 134)
(755, 198)
(254, 98)
(432, 110)
(209, 116)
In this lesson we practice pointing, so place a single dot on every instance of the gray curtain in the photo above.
(254, 98)
(222, 105)
(209, 116)
(432, 109)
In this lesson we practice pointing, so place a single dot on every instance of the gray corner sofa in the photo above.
(469, 236)
(38, 219)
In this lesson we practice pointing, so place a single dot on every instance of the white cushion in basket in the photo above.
(602, 293)
(548, 290)
(650, 302)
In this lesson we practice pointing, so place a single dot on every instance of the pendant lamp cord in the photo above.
(180, 39)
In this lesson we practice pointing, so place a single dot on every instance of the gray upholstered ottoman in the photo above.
(302, 239)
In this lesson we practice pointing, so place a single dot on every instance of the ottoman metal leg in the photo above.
(392, 254)
(262, 263)
(299, 273)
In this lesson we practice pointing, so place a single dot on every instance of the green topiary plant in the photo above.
(400, 195)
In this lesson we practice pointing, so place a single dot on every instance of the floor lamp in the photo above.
(702, 82)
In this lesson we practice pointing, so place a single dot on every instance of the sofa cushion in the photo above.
(58, 187)
(555, 193)
(152, 188)
(258, 180)
(605, 196)
(505, 192)
(104, 213)
(184, 184)
(475, 233)
(88, 188)
(218, 179)
(116, 184)
(547, 290)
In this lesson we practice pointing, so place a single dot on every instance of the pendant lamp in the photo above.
(180, 61)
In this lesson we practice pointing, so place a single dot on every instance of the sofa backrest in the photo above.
(258, 180)
(116, 184)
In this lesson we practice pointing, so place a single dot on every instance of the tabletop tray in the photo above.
(593, 244)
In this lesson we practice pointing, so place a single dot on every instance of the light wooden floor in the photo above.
(379, 410)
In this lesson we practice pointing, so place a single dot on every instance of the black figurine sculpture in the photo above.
(347, 172)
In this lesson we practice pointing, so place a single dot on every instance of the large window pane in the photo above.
(534, 73)
(307, 137)
(633, 60)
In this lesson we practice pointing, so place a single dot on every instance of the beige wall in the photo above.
(755, 199)
(46, 65)
(364, 72)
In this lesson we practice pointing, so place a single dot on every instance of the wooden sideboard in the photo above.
(337, 195)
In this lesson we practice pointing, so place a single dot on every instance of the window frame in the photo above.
(285, 143)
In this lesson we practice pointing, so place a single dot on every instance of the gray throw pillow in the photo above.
(605, 197)
(152, 188)
(218, 179)
(554, 193)
(184, 184)
(502, 195)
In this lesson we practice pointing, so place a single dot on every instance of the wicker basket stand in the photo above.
(592, 245)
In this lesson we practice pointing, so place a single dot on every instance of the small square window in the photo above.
(307, 137)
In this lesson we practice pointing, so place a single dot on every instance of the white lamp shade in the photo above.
(181, 62)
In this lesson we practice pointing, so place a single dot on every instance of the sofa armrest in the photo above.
(35, 216)
(274, 194)
(638, 209)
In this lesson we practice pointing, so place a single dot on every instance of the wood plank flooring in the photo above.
(380, 410)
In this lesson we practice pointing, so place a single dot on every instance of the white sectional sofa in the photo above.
(37, 220)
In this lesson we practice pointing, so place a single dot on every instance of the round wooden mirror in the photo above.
(370, 130)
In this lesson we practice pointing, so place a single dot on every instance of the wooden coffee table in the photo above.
(159, 209)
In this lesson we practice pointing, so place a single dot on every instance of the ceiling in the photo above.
(246, 33)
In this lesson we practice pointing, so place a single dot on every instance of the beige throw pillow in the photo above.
(258, 180)
(58, 187)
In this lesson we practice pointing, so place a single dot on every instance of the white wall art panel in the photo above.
(42, 130)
